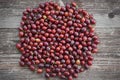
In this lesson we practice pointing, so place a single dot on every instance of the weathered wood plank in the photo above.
(96, 72)
(102, 20)
(108, 1)
(109, 39)
(11, 12)
(103, 67)
(106, 58)
(17, 3)
(91, 75)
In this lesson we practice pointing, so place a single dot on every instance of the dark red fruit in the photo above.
(18, 45)
(39, 71)
(59, 39)
(22, 63)
(32, 67)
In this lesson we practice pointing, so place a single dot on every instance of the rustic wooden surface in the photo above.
(106, 65)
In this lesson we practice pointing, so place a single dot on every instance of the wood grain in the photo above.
(106, 64)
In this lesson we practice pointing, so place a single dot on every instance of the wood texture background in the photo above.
(106, 65)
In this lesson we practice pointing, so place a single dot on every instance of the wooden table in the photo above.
(106, 65)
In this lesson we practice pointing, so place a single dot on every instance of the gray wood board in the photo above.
(106, 64)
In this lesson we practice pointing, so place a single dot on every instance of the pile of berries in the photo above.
(58, 40)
